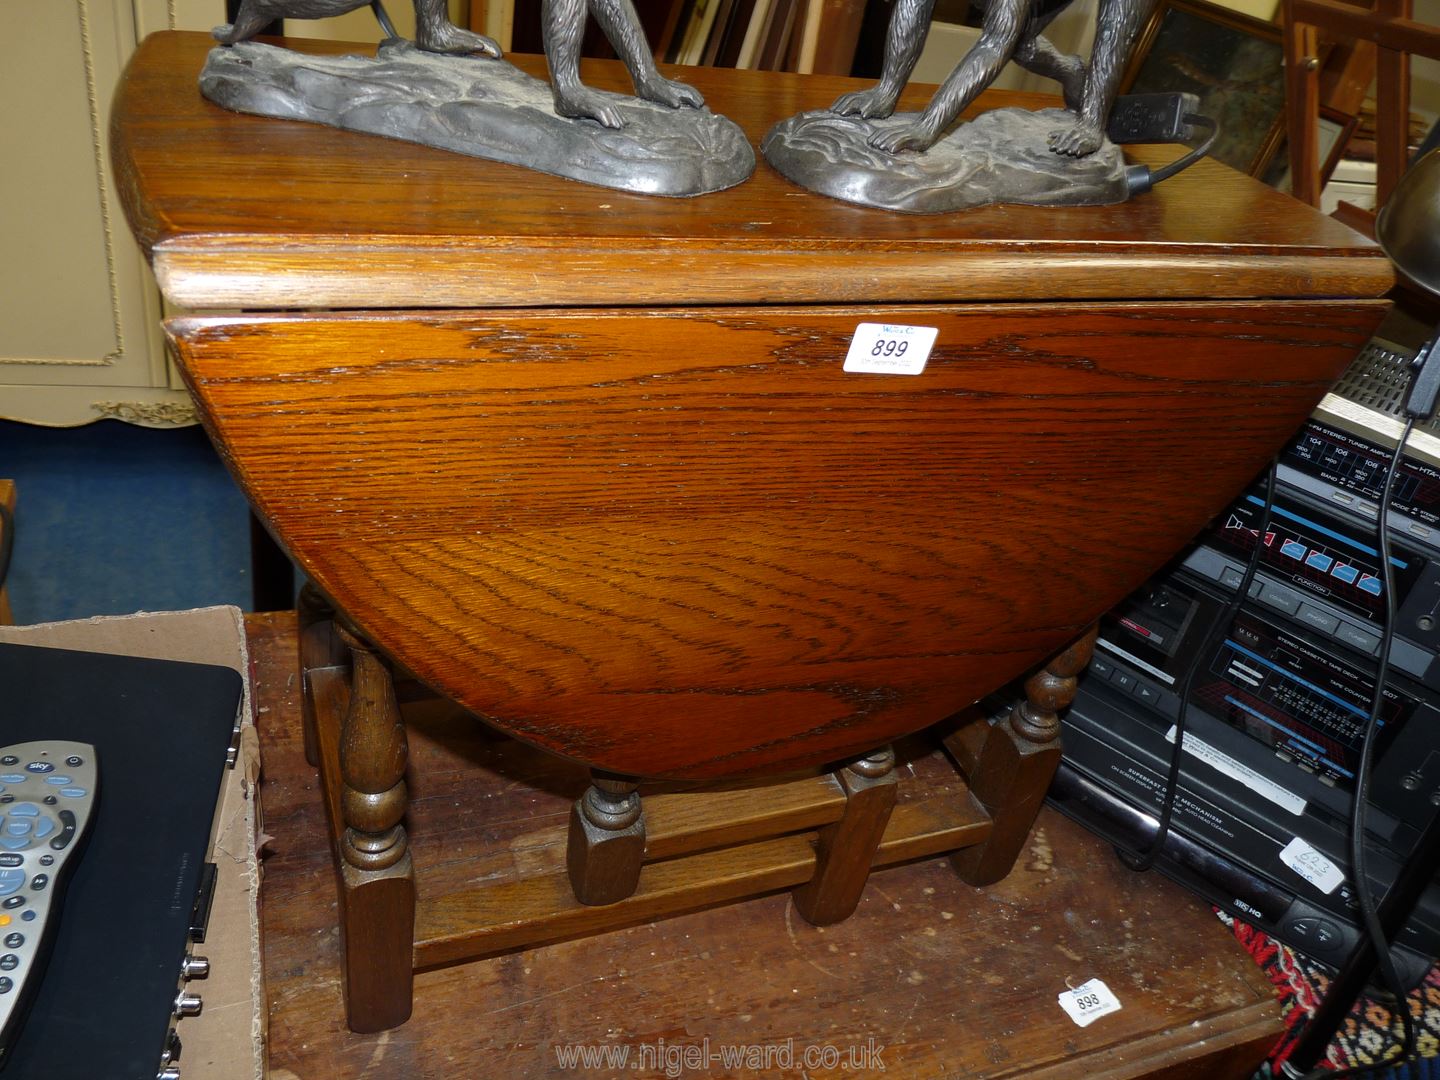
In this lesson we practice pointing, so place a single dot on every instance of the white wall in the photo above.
(360, 25)
(1072, 32)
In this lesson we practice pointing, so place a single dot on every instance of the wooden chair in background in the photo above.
(1395, 37)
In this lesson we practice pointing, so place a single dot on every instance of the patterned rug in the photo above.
(1372, 1030)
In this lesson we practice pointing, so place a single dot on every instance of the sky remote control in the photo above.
(47, 801)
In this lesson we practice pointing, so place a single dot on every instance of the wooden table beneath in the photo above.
(952, 981)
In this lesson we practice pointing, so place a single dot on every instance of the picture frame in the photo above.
(1234, 63)
(1333, 129)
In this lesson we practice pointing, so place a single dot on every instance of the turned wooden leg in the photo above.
(607, 840)
(1012, 764)
(377, 892)
(320, 647)
(845, 849)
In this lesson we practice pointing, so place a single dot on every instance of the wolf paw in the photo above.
(455, 41)
(872, 104)
(665, 91)
(1079, 140)
(586, 105)
(908, 137)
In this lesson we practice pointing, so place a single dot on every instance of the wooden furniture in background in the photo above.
(807, 36)
(79, 313)
(1396, 36)
(7, 540)
(952, 980)
(587, 463)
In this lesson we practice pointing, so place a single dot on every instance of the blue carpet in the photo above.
(113, 518)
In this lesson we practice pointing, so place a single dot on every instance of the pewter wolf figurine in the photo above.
(1010, 30)
(563, 23)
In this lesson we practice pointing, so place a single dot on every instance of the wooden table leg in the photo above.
(1013, 766)
(606, 847)
(319, 647)
(846, 848)
(377, 894)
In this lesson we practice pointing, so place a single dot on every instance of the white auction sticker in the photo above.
(1312, 865)
(889, 349)
(1088, 1002)
(1261, 786)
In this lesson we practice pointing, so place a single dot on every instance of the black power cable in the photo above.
(1360, 879)
(1144, 860)
(1370, 917)
(1142, 178)
(1159, 118)
(1420, 405)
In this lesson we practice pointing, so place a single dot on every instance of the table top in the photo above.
(953, 981)
(685, 541)
(244, 211)
(688, 543)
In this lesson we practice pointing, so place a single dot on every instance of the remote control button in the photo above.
(50, 800)
(7, 798)
(14, 941)
(74, 762)
(9, 759)
(27, 916)
(25, 809)
(12, 860)
(45, 860)
(67, 832)
(10, 881)
(58, 781)
(6, 985)
(39, 767)
(15, 843)
(39, 881)
(13, 778)
(44, 827)
(74, 792)
(9, 962)
(23, 827)
(13, 902)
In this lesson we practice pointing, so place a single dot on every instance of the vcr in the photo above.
(1280, 694)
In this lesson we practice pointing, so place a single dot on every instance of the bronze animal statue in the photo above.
(434, 32)
(1010, 30)
(563, 25)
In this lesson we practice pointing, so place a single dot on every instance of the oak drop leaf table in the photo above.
(588, 465)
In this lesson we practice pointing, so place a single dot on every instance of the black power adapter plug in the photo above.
(1153, 118)
(1158, 118)
(1425, 389)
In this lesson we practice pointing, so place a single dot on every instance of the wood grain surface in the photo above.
(685, 543)
(243, 211)
(953, 981)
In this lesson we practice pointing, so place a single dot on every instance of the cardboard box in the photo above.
(227, 1040)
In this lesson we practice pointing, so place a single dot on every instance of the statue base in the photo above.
(999, 157)
(484, 108)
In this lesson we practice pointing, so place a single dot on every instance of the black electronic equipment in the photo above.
(1280, 693)
(161, 731)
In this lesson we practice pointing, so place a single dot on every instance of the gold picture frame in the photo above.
(1234, 63)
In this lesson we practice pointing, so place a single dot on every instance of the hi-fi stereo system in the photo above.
(1280, 694)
